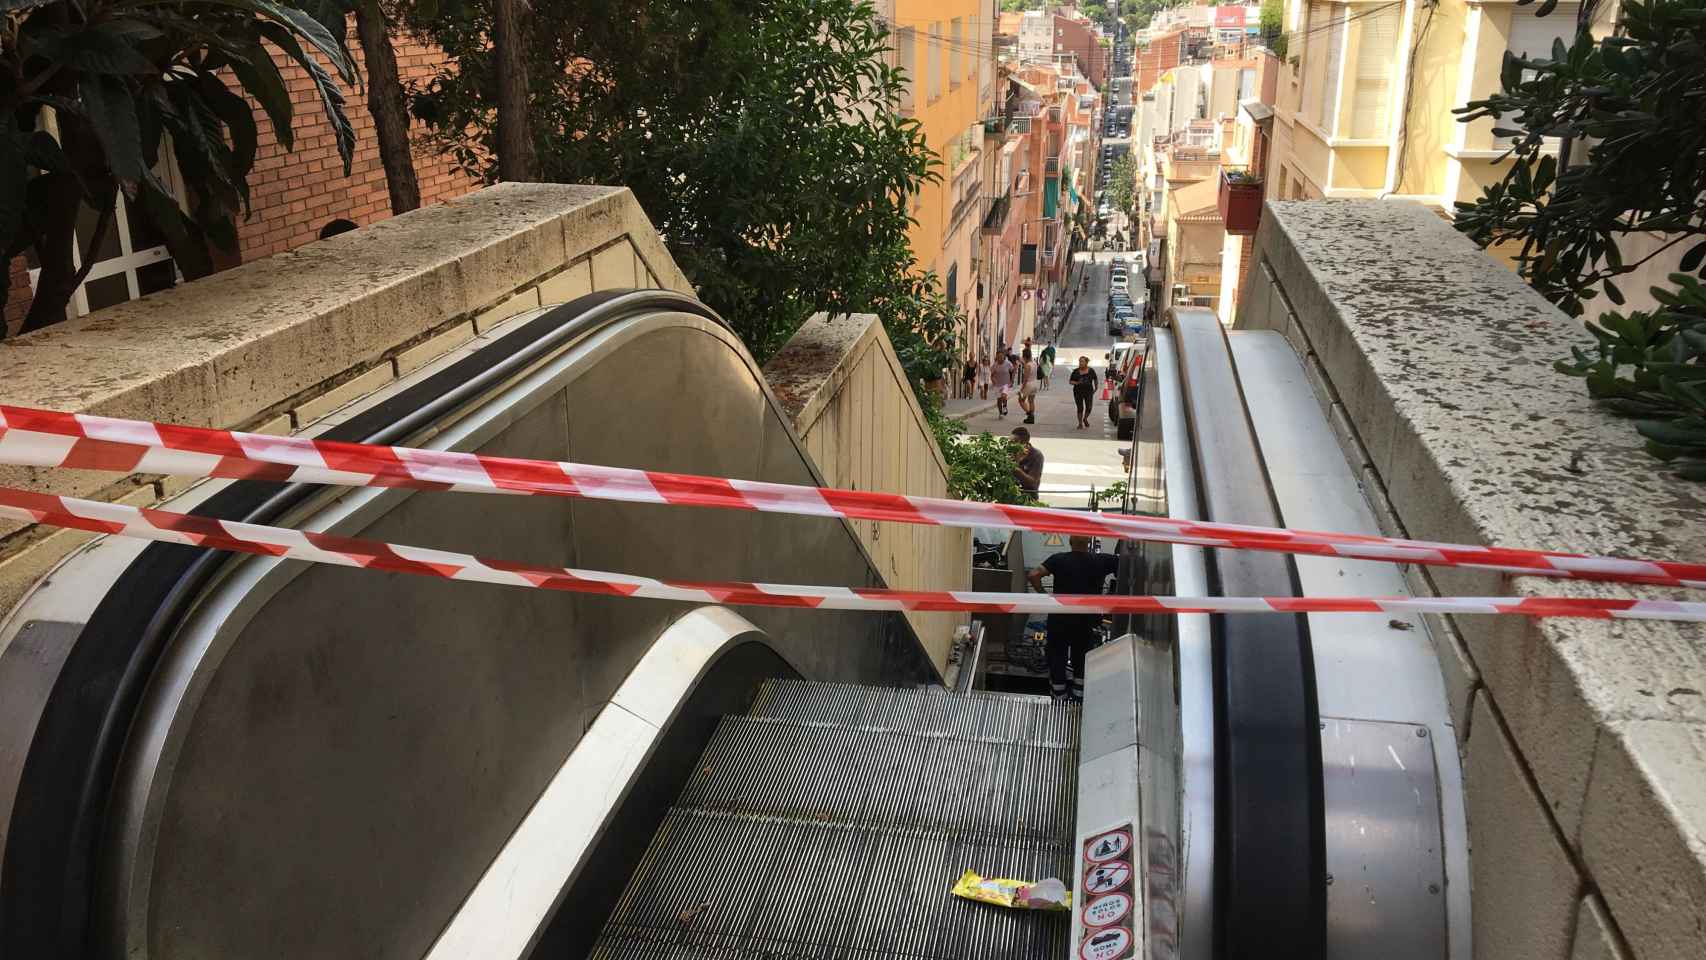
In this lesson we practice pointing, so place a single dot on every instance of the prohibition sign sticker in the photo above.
(1108, 910)
(1109, 944)
(1107, 877)
(1103, 847)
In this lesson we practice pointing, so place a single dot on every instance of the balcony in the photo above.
(1240, 201)
(996, 219)
(1051, 166)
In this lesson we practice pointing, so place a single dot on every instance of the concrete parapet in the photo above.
(851, 404)
(1586, 745)
(280, 342)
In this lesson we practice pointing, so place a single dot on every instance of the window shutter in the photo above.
(1532, 36)
(1329, 110)
(1376, 52)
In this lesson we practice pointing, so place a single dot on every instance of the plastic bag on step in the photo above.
(1050, 894)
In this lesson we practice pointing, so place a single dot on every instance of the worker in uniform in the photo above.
(1077, 572)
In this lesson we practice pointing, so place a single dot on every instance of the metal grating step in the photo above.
(927, 711)
(857, 776)
(784, 887)
(832, 821)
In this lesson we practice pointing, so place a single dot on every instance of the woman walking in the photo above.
(1028, 386)
(1083, 380)
(1002, 377)
(983, 377)
(968, 379)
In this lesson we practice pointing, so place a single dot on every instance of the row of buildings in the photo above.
(1359, 105)
(1012, 104)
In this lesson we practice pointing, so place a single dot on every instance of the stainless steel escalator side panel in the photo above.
(409, 724)
(509, 909)
(1396, 831)
(1195, 691)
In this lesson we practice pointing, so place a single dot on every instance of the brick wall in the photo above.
(295, 194)
(1161, 55)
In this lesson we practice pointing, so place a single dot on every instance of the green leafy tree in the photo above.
(762, 137)
(1122, 185)
(980, 466)
(126, 81)
(1633, 101)
(1273, 26)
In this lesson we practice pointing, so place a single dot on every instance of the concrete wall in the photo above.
(842, 383)
(242, 350)
(1584, 741)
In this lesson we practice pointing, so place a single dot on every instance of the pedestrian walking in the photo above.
(1045, 367)
(1028, 386)
(1076, 572)
(1002, 377)
(983, 377)
(968, 379)
(1027, 463)
(1083, 379)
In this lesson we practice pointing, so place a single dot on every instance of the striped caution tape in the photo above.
(170, 527)
(45, 438)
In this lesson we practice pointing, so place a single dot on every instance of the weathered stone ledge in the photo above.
(280, 342)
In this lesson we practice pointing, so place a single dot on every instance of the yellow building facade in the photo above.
(1365, 97)
(946, 48)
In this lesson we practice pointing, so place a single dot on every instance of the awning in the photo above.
(1071, 189)
(1258, 111)
(1051, 197)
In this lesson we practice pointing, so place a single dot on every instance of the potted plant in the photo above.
(1240, 200)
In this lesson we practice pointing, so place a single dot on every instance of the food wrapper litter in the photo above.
(1048, 894)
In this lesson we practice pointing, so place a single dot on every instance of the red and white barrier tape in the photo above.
(44, 438)
(164, 525)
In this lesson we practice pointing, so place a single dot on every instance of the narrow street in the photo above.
(1075, 462)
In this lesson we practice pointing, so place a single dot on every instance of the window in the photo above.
(1532, 36)
(131, 259)
(956, 38)
(906, 58)
(1376, 51)
(1327, 110)
(935, 58)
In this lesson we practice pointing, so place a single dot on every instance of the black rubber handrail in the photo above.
(53, 840)
(1270, 842)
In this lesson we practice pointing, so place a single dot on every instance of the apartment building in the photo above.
(1364, 101)
(1045, 146)
(946, 49)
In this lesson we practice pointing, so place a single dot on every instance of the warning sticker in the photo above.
(1112, 845)
(1107, 910)
(1107, 877)
(1109, 944)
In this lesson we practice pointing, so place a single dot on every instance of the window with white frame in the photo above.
(1377, 41)
(906, 57)
(1531, 36)
(956, 40)
(130, 258)
(1333, 33)
(935, 58)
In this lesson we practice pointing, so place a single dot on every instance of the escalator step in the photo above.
(787, 887)
(925, 711)
(886, 778)
(833, 820)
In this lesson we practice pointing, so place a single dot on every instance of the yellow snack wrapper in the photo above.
(1048, 894)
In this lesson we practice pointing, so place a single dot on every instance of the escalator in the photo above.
(205, 755)
(822, 821)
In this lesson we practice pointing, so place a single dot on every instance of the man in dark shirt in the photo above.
(1027, 463)
(1078, 571)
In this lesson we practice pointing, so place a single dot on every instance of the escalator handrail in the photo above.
(49, 864)
(1269, 829)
